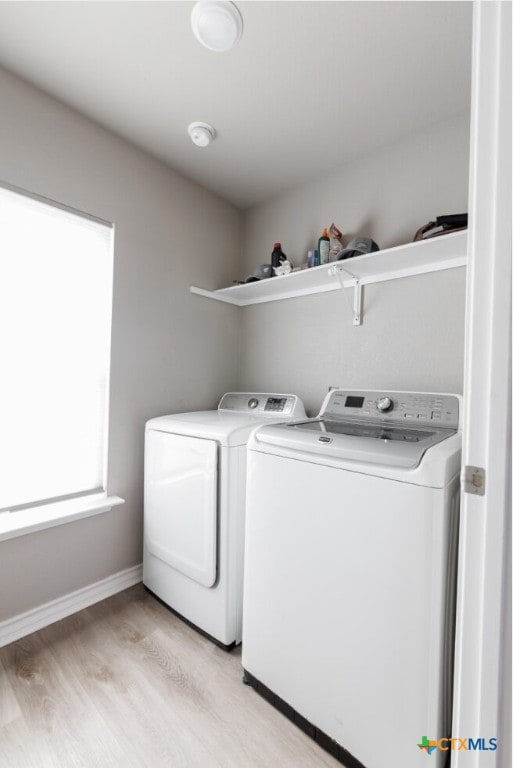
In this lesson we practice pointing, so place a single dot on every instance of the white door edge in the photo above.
(482, 694)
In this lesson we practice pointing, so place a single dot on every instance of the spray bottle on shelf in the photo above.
(323, 247)
(277, 255)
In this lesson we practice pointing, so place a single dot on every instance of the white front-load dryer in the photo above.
(194, 508)
(351, 543)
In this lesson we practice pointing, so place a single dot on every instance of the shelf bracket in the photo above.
(357, 294)
(357, 303)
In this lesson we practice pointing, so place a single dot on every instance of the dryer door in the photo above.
(180, 503)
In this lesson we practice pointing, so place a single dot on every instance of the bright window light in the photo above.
(55, 325)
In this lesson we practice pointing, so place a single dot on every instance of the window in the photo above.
(55, 325)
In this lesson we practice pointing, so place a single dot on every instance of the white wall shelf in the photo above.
(438, 253)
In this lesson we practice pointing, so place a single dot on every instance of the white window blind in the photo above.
(55, 326)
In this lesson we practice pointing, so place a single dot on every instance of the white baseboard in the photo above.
(25, 623)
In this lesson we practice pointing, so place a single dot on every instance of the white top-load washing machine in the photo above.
(351, 545)
(194, 503)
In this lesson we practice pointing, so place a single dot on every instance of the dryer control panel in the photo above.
(420, 408)
(263, 404)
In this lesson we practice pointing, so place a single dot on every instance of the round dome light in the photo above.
(217, 24)
(202, 134)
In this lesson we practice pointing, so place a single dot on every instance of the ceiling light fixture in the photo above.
(202, 134)
(217, 24)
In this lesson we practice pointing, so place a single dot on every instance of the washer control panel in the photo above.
(262, 405)
(400, 407)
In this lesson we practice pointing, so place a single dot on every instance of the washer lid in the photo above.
(362, 442)
(366, 429)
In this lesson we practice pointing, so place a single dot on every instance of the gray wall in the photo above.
(412, 332)
(170, 350)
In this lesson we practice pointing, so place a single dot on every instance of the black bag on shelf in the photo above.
(442, 226)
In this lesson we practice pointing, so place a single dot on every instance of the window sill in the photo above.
(13, 524)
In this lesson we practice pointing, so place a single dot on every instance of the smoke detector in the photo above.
(217, 24)
(202, 134)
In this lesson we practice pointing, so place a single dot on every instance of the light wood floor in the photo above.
(126, 683)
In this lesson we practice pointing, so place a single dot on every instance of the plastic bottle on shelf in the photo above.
(277, 256)
(323, 247)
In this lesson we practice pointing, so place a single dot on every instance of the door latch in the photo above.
(474, 480)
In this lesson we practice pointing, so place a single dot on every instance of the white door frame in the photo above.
(482, 694)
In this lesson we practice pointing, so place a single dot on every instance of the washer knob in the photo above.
(385, 404)
(252, 402)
